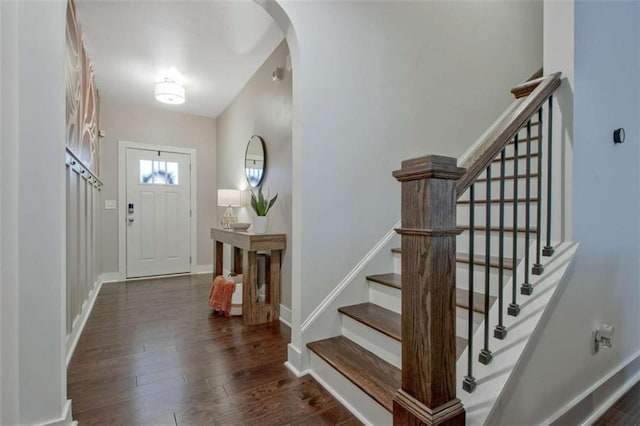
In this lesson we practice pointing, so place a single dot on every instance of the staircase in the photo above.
(491, 237)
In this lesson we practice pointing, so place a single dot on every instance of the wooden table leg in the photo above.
(249, 287)
(236, 268)
(218, 258)
(274, 284)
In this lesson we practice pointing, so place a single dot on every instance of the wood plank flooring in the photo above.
(626, 411)
(152, 353)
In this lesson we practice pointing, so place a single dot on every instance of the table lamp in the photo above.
(230, 198)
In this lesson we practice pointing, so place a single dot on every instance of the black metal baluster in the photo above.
(514, 308)
(537, 267)
(526, 287)
(485, 356)
(500, 331)
(469, 382)
(548, 249)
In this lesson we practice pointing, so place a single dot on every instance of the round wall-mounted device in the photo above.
(618, 135)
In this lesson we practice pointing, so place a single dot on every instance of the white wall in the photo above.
(33, 212)
(379, 82)
(263, 107)
(124, 121)
(606, 207)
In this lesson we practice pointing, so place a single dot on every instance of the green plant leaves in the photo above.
(260, 204)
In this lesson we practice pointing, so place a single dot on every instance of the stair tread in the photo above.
(391, 280)
(376, 377)
(462, 296)
(533, 229)
(388, 322)
(497, 200)
(479, 259)
(523, 140)
(375, 316)
(520, 176)
(512, 157)
(462, 300)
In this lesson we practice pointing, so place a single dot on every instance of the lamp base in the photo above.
(228, 218)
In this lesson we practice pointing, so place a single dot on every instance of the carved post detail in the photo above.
(428, 393)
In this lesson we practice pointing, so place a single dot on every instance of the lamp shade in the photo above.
(169, 92)
(229, 197)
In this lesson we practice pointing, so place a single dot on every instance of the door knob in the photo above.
(130, 220)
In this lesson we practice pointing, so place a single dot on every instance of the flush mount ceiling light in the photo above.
(170, 92)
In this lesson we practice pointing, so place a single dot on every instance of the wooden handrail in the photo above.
(503, 131)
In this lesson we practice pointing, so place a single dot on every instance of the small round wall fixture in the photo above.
(618, 135)
(170, 92)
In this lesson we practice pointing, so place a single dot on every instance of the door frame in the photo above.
(122, 194)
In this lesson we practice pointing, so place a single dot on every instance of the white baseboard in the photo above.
(591, 404)
(204, 269)
(294, 360)
(285, 315)
(64, 420)
(81, 320)
(110, 277)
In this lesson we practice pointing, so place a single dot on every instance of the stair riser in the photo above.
(462, 322)
(462, 217)
(385, 296)
(462, 243)
(390, 298)
(348, 393)
(509, 168)
(462, 279)
(372, 340)
(481, 189)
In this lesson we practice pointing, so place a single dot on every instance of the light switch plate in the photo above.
(109, 204)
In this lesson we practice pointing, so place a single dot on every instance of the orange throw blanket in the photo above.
(220, 296)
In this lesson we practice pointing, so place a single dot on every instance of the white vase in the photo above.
(260, 224)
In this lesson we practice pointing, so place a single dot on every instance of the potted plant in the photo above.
(261, 206)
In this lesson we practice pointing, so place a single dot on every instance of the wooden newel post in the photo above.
(428, 393)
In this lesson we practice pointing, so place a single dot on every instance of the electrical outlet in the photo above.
(602, 337)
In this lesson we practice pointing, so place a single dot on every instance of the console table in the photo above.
(244, 248)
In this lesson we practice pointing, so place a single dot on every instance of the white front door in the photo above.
(158, 215)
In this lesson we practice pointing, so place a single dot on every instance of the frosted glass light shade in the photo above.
(169, 92)
(229, 197)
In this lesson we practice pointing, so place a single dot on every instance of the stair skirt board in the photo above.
(494, 379)
(361, 405)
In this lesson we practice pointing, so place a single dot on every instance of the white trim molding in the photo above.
(204, 269)
(285, 316)
(65, 419)
(122, 192)
(610, 387)
(81, 320)
(110, 277)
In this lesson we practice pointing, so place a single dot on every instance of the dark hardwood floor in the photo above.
(626, 411)
(153, 354)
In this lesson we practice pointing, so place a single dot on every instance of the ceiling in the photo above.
(211, 47)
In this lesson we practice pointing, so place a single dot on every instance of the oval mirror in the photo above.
(255, 161)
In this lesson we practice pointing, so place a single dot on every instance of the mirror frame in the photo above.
(264, 167)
